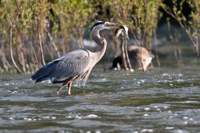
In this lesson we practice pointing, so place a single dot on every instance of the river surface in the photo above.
(165, 99)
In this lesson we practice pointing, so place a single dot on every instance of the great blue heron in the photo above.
(76, 64)
(140, 58)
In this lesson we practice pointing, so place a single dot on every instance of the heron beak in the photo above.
(110, 25)
(120, 29)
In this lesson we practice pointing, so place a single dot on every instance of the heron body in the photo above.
(76, 64)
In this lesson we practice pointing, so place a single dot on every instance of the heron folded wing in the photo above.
(69, 65)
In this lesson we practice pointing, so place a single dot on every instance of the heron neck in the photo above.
(102, 44)
(101, 49)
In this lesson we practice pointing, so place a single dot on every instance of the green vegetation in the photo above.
(36, 31)
(192, 24)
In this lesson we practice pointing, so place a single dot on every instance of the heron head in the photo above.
(110, 25)
(100, 25)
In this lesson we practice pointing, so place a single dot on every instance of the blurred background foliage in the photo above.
(33, 32)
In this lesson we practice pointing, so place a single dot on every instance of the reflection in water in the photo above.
(159, 100)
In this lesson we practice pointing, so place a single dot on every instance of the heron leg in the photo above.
(59, 89)
(69, 87)
(86, 77)
(66, 82)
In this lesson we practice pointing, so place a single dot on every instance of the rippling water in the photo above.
(159, 100)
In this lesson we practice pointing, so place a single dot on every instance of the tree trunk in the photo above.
(21, 57)
(11, 50)
(80, 42)
(4, 60)
(80, 38)
(34, 58)
(41, 49)
(53, 43)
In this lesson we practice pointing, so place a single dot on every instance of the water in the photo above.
(163, 100)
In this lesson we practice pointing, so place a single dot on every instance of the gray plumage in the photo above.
(76, 64)
(72, 64)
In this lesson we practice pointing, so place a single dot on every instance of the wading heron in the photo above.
(76, 64)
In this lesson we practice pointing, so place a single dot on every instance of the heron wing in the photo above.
(72, 64)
